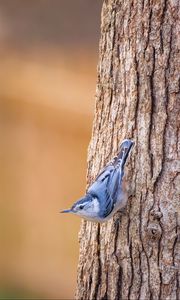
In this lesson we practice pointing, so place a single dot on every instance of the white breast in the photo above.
(95, 205)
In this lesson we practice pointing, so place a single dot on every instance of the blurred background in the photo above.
(48, 58)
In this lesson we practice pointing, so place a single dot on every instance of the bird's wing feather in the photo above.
(114, 184)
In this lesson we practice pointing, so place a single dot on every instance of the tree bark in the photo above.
(135, 256)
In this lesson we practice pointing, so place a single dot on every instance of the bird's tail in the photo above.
(124, 151)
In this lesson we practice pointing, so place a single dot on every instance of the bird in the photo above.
(107, 194)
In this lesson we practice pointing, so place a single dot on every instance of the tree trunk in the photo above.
(135, 256)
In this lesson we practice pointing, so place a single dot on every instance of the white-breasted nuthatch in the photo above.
(107, 194)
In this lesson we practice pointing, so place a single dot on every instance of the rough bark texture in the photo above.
(135, 256)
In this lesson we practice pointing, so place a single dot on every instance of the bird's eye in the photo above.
(81, 206)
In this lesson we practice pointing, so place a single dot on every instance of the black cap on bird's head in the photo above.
(79, 205)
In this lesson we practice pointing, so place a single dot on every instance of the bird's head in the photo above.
(87, 207)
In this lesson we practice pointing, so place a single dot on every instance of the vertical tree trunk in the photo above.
(135, 256)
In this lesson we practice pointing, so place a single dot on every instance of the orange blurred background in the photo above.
(48, 58)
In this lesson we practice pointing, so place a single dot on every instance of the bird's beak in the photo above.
(66, 211)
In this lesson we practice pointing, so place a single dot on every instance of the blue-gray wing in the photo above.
(105, 188)
(107, 184)
(107, 169)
